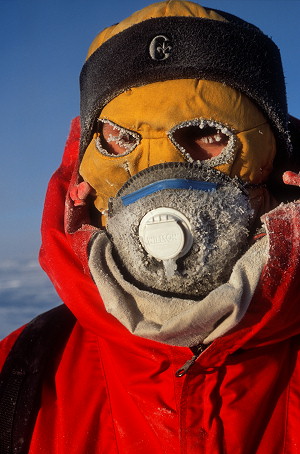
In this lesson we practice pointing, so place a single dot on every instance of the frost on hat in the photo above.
(181, 40)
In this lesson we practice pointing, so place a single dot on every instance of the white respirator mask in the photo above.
(178, 228)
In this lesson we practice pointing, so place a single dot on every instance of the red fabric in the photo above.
(6, 345)
(113, 393)
(291, 178)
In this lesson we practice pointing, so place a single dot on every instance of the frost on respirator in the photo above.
(196, 235)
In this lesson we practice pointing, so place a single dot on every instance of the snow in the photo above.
(25, 291)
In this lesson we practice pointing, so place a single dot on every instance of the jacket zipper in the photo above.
(190, 362)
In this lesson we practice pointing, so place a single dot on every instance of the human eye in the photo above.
(113, 140)
(201, 140)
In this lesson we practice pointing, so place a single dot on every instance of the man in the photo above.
(164, 235)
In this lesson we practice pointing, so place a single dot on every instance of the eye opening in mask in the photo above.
(205, 141)
(114, 140)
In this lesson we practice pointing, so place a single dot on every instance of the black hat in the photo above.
(232, 52)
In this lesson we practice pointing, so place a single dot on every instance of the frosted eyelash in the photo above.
(226, 155)
(119, 140)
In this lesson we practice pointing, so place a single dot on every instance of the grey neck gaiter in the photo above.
(175, 320)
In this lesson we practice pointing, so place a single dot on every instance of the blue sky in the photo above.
(43, 44)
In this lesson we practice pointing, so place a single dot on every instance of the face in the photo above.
(199, 144)
(177, 121)
(180, 129)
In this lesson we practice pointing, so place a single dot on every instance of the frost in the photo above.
(125, 139)
(227, 153)
(170, 268)
(220, 228)
(122, 140)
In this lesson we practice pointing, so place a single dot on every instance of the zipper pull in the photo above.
(190, 362)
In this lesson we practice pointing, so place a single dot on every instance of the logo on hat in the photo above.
(160, 47)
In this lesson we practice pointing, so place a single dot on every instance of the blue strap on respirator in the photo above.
(174, 183)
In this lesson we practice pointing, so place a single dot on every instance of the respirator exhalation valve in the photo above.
(165, 233)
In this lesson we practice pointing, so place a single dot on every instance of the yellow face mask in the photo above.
(176, 121)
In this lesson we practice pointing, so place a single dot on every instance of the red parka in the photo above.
(111, 392)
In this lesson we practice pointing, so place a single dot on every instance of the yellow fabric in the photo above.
(152, 110)
(161, 9)
(106, 174)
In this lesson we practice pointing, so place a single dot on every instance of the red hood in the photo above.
(66, 232)
(273, 314)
